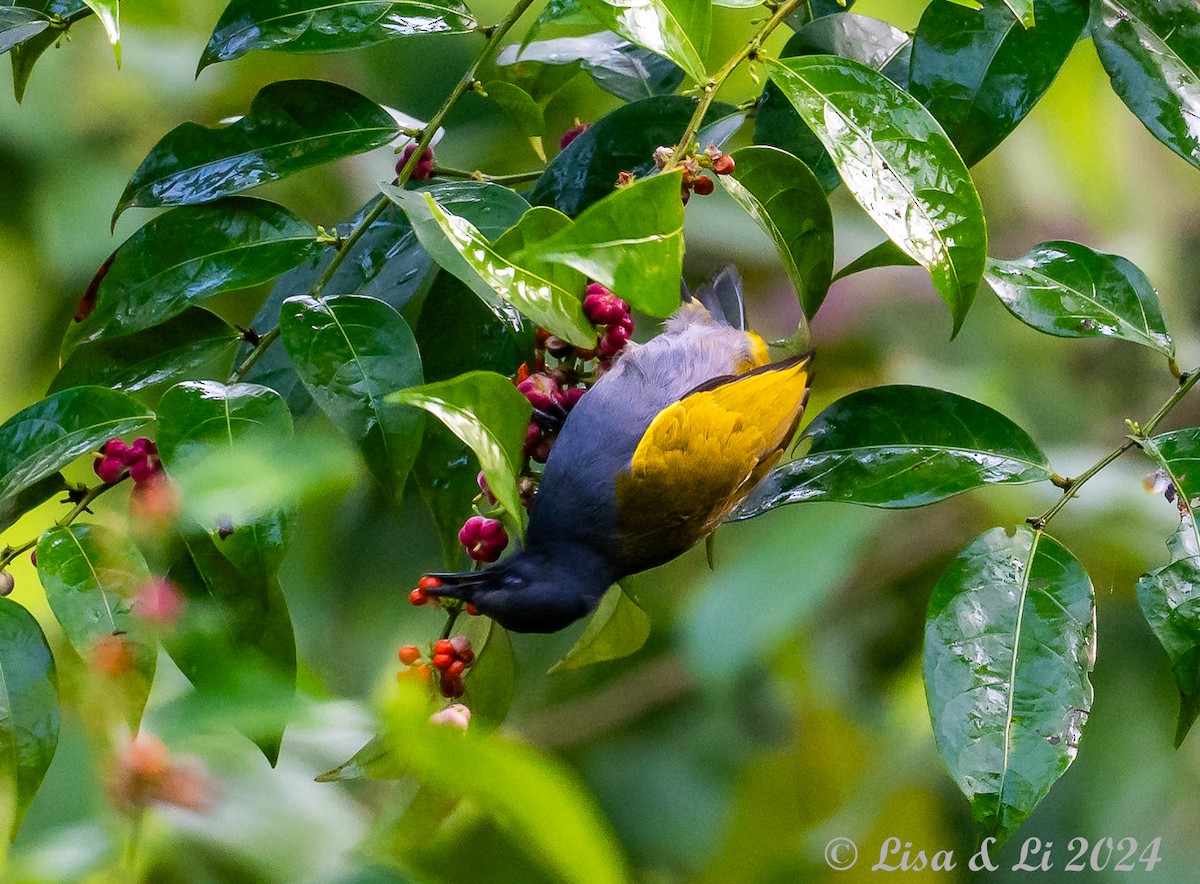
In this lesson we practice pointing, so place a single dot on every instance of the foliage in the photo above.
(389, 352)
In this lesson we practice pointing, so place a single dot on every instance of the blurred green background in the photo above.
(778, 702)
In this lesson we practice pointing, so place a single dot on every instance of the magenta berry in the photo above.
(603, 307)
(539, 389)
(533, 436)
(423, 170)
(484, 538)
(613, 342)
(142, 471)
(482, 481)
(568, 399)
(109, 469)
(571, 134)
(113, 448)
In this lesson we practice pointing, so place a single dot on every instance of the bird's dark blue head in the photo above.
(534, 590)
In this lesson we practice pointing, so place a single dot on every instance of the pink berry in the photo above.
(568, 399)
(484, 539)
(159, 602)
(481, 479)
(143, 471)
(571, 134)
(603, 307)
(539, 389)
(614, 341)
(423, 170)
(109, 469)
(113, 448)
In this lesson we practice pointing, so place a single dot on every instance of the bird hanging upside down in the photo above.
(648, 464)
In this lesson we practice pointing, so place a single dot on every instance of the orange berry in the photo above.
(442, 661)
(429, 582)
(418, 597)
(409, 654)
(443, 646)
(471, 609)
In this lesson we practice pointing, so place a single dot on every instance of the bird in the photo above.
(650, 462)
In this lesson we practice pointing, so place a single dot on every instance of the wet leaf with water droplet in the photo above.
(1009, 647)
(1070, 291)
(897, 447)
(674, 29)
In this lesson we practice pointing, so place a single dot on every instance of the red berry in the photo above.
(462, 649)
(456, 668)
(33, 558)
(703, 185)
(442, 661)
(109, 469)
(429, 582)
(409, 654)
(723, 165)
(452, 686)
(418, 597)
(471, 609)
(571, 134)
(443, 646)
(423, 169)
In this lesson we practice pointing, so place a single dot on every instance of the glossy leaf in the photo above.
(291, 126)
(13, 508)
(43, 438)
(92, 576)
(504, 286)
(521, 242)
(486, 412)
(1067, 290)
(1170, 596)
(18, 24)
(617, 628)
(899, 447)
(519, 106)
(189, 254)
(351, 351)
(886, 254)
(491, 680)
(235, 641)
(616, 65)
(1009, 645)
(965, 63)
(180, 347)
(621, 141)
(785, 199)
(29, 712)
(200, 422)
(109, 13)
(630, 241)
(869, 40)
(328, 25)
(1151, 50)
(898, 164)
(25, 54)
(674, 29)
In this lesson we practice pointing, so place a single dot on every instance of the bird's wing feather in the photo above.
(701, 455)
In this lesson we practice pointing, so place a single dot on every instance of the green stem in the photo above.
(495, 34)
(451, 617)
(81, 506)
(716, 81)
(464, 175)
(1141, 431)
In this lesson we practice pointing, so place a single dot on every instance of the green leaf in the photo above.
(873, 42)
(507, 288)
(18, 24)
(203, 427)
(180, 347)
(43, 438)
(617, 66)
(1009, 644)
(13, 508)
(520, 244)
(898, 164)
(1067, 290)
(674, 29)
(1170, 596)
(525, 113)
(486, 412)
(25, 54)
(965, 62)
(785, 199)
(234, 642)
(630, 241)
(1151, 50)
(92, 576)
(621, 141)
(327, 25)
(109, 13)
(29, 712)
(618, 628)
(351, 351)
(189, 254)
(291, 126)
(886, 254)
(899, 447)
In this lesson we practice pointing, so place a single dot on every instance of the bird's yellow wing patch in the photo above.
(702, 455)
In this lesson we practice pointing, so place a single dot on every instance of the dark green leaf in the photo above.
(965, 63)
(507, 288)
(29, 713)
(621, 141)
(328, 25)
(43, 438)
(491, 680)
(674, 29)
(487, 413)
(1009, 644)
(235, 641)
(630, 241)
(192, 341)
(869, 40)
(351, 351)
(205, 422)
(886, 254)
(618, 628)
(26, 54)
(92, 576)
(18, 24)
(898, 447)
(898, 164)
(13, 508)
(617, 66)
(525, 113)
(786, 200)
(1067, 290)
(189, 254)
(1151, 50)
(291, 126)
(1170, 596)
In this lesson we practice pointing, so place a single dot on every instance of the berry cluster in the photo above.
(607, 310)
(713, 158)
(423, 170)
(451, 658)
(144, 772)
(140, 459)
